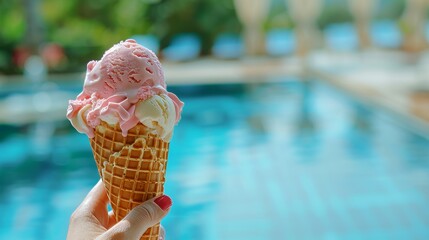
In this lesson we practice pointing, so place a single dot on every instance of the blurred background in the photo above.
(303, 119)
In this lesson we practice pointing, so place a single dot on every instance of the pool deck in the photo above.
(392, 80)
(213, 71)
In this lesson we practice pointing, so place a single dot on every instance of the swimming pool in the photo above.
(289, 160)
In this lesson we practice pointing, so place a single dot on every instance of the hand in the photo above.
(92, 221)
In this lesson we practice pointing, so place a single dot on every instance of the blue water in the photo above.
(259, 161)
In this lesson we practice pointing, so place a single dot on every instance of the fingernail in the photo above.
(164, 202)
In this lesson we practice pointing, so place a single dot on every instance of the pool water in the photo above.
(290, 160)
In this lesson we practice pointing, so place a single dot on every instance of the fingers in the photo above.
(91, 215)
(95, 205)
(147, 214)
(141, 218)
(96, 197)
(112, 220)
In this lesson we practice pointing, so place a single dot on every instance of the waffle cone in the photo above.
(132, 168)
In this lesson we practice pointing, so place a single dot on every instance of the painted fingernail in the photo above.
(164, 202)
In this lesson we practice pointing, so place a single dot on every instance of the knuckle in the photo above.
(75, 215)
(118, 236)
(113, 236)
(118, 232)
(78, 215)
(146, 212)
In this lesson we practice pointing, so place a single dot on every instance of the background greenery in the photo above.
(85, 28)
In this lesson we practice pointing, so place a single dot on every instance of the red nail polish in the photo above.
(164, 202)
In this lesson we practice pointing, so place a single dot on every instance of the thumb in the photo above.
(142, 217)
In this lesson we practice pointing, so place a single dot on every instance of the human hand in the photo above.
(92, 221)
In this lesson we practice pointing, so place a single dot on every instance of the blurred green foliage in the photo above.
(11, 32)
(390, 9)
(93, 23)
(85, 29)
(336, 12)
(12, 23)
(279, 16)
(206, 18)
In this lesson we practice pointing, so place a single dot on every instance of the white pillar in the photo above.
(252, 14)
(362, 11)
(305, 14)
(414, 20)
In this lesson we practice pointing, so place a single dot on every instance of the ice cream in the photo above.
(129, 116)
(127, 87)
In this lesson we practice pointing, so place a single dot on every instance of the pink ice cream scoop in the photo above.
(124, 68)
(126, 75)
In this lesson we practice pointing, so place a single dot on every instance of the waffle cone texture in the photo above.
(132, 168)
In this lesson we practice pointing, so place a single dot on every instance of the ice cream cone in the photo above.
(129, 117)
(132, 167)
